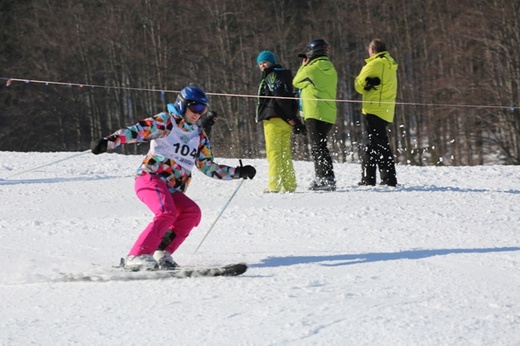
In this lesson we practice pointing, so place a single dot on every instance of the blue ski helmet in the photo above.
(190, 94)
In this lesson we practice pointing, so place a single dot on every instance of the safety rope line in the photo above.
(9, 81)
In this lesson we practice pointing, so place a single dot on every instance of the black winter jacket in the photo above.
(276, 81)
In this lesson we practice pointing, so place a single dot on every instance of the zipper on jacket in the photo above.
(381, 88)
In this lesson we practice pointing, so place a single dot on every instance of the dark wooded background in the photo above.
(459, 70)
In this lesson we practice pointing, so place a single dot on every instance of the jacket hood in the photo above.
(324, 65)
(386, 58)
(271, 69)
(172, 109)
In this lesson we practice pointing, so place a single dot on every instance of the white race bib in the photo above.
(179, 146)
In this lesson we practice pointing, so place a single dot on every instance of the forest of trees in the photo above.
(459, 72)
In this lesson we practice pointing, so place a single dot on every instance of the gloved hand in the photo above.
(245, 172)
(371, 83)
(299, 128)
(99, 146)
(212, 116)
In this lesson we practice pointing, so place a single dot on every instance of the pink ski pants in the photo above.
(174, 211)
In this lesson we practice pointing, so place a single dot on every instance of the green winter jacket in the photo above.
(317, 80)
(380, 100)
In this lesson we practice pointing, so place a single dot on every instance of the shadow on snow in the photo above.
(348, 259)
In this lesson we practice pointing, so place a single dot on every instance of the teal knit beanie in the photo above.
(266, 56)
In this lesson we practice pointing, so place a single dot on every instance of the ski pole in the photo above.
(49, 163)
(222, 211)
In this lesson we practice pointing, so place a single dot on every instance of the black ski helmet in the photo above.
(316, 47)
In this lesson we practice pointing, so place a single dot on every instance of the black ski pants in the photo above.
(377, 153)
(318, 134)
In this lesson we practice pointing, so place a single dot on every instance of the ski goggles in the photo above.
(197, 108)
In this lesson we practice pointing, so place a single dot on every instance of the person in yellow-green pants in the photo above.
(277, 109)
(281, 176)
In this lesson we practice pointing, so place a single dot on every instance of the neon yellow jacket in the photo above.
(380, 100)
(317, 79)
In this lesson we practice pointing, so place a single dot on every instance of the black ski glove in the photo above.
(371, 83)
(245, 172)
(300, 128)
(212, 116)
(99, 146)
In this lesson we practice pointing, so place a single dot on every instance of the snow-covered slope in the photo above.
(435, 261)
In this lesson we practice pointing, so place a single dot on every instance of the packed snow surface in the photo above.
(435, 261)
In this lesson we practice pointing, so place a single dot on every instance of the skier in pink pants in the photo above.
(177, 144)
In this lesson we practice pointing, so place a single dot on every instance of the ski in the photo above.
(234, 269)
(119, 273)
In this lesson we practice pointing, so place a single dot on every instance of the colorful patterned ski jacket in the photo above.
(175, 148)
(318, 81)
(380, 100)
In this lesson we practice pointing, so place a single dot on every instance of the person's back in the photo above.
(317, 81)
(380, 99)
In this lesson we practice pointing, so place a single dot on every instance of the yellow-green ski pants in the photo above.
(281, 176)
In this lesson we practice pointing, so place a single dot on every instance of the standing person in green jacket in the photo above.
(317, 80)
(377, 82)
